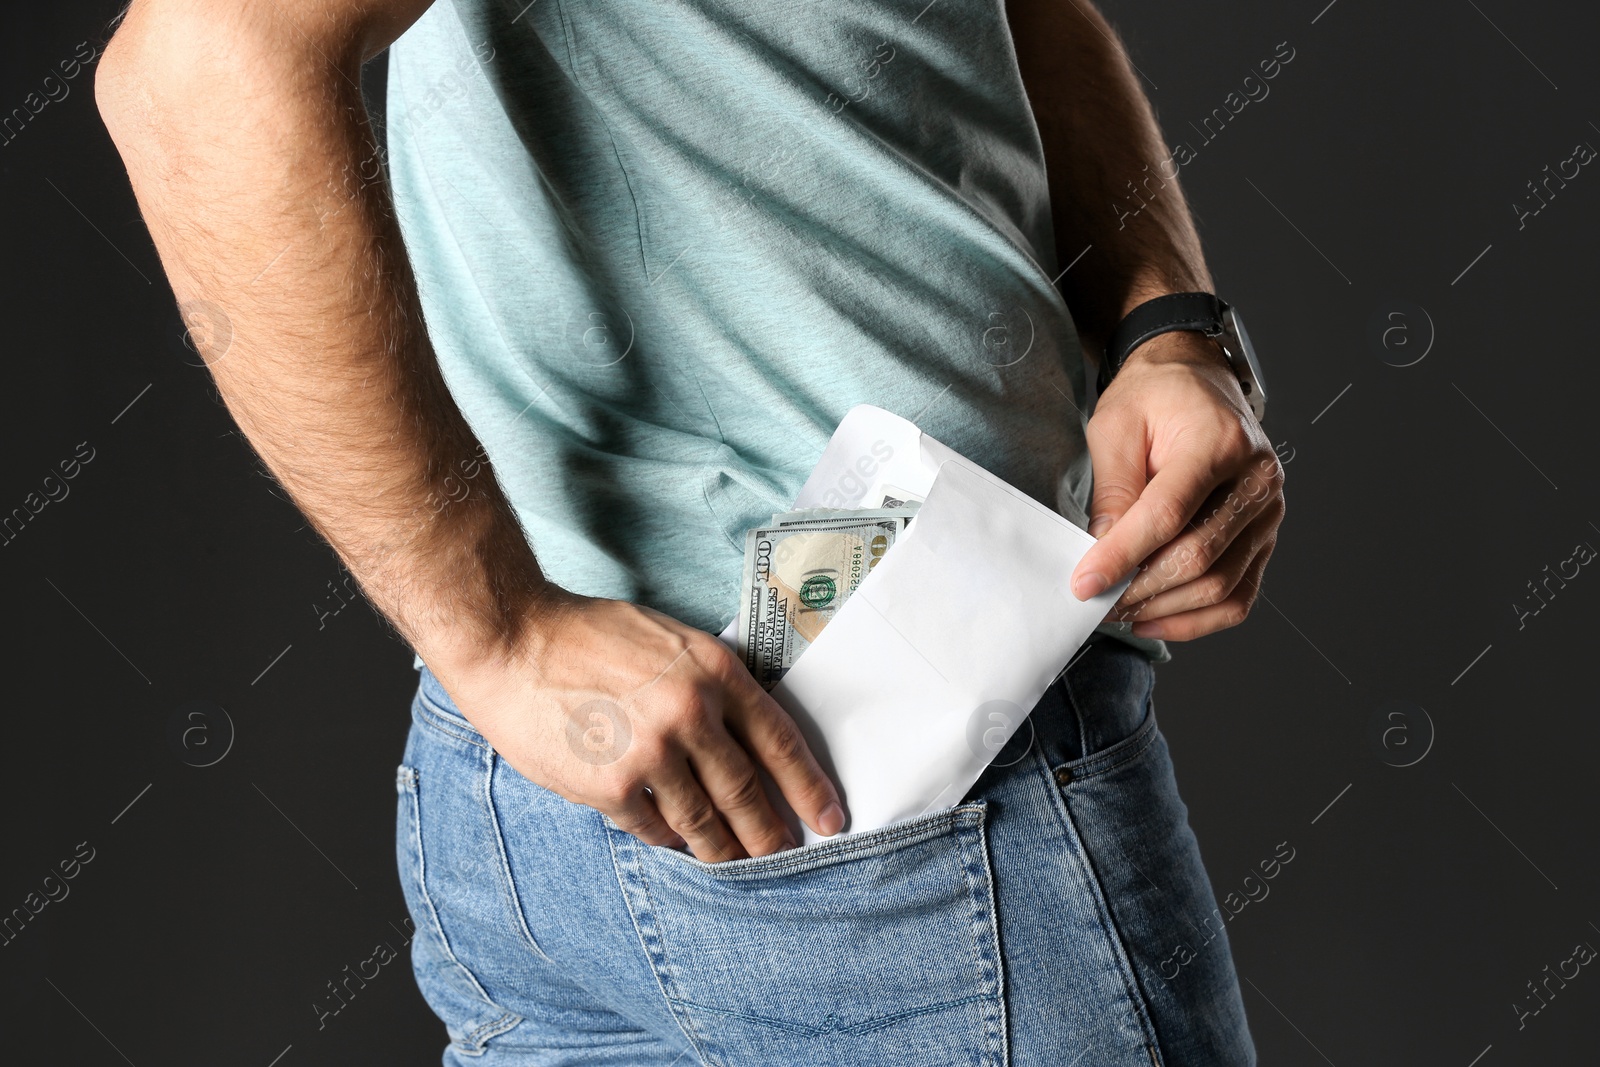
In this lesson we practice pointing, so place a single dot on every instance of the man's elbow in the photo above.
(177, 70)
(157, 67)
(114, 79)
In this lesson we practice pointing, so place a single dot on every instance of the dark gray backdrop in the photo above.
(1395, 710)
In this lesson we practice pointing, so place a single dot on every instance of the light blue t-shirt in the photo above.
(664, 245)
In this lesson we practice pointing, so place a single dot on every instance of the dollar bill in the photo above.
(894, 497)
(899, 509)
(799, 571)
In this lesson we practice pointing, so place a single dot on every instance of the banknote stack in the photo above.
(800, 568)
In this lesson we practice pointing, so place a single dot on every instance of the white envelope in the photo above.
(946, 646)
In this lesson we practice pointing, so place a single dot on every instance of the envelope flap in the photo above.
(870, 444)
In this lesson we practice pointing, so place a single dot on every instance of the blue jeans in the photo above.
(1033, 925)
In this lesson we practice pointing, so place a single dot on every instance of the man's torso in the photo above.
(664, 245)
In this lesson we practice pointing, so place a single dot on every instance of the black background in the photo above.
(1384, 163)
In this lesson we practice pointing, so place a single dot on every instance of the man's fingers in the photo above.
(775, 742)
(1235, 506)
(641, 818)
(689, 811)
(734, 785)
(1155, 518)
(1217, 582)
(1188, 625)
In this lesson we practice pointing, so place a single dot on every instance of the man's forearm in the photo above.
(1105, 157)
(244, 133)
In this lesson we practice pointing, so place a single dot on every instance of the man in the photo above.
(637, 260)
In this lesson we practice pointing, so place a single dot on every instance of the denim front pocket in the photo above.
(871, 948)
(1124, 814)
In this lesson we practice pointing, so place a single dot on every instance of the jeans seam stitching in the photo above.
(1123, 966)
(437, 719)
(1130, 980)
(660, 971)
(965, 813)
(1129, 748)
(509, 884)
(976, 837)
(1138, 743)
(1077, 713)
(480, 1034)
(476, 1035)
(877, 1023)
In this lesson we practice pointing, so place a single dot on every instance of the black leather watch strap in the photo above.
(1179, 311)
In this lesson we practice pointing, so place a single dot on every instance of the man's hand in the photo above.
(1185, 483)
(1184, 480)
(652, 722)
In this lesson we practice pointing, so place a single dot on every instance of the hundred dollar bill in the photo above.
(899, 509)
(894, 497)
(796, 577)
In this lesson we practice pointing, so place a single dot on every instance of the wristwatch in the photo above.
(1204, 312)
